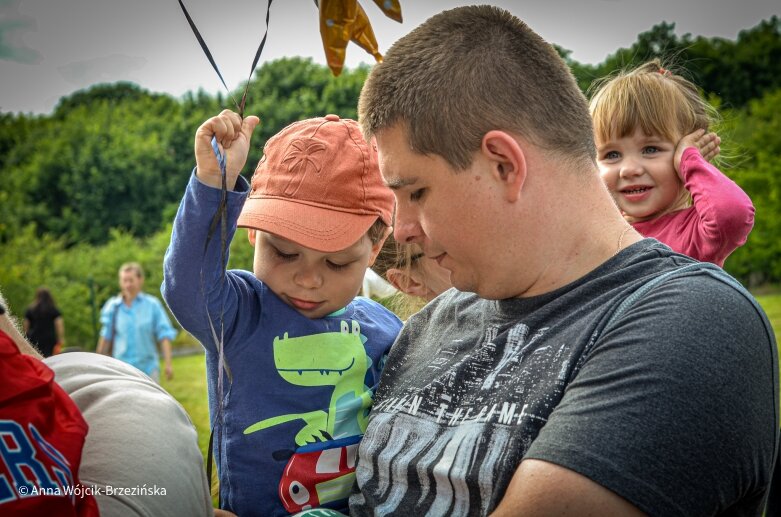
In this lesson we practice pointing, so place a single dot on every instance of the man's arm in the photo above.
(102, 347)
(165, 345)
(543, 488)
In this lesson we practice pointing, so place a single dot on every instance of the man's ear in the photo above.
(406, 282)
(251, 236)
(377, 246)
(508, 162)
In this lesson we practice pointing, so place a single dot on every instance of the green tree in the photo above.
(101, 166)
(757, 132)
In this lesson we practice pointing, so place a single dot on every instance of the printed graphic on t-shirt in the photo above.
(454, 435)
(321, 470)
(30, 466)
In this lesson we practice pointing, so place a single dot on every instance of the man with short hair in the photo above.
(134, 323)
(578, 369)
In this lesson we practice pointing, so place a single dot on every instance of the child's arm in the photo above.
(725, 212)
(193, 285)
(706, 143)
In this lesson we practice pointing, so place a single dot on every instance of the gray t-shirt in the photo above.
(673, 405)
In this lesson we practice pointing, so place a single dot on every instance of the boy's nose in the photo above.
(308, 278)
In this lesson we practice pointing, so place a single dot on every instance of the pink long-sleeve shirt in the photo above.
(716, 224)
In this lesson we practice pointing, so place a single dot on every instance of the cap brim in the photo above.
(321, 229)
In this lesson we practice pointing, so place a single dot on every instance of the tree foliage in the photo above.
(735, 71)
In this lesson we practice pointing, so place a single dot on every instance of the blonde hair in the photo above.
(470, 70)
(652, 98)
(397, 256)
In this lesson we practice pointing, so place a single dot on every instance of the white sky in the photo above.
(52, 48)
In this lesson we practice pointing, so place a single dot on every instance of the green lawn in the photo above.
(772, 305)
(189, 387)
(189, 383)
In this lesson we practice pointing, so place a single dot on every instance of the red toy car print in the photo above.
(316, 476)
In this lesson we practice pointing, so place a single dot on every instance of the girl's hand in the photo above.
(706, 143)
(233, 136)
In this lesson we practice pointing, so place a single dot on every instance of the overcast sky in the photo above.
(50, 48)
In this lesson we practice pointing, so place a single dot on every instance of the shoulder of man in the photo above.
(113, 302)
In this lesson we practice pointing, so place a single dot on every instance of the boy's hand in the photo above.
(233, 137)
(706, 143)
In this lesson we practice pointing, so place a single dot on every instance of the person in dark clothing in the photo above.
(43, 323)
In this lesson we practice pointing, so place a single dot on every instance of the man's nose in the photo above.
(407, 230)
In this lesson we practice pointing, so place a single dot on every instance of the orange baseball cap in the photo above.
(318, 184)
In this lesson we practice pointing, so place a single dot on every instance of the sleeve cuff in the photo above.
(241, 188)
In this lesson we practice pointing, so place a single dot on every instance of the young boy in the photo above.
(302, 353)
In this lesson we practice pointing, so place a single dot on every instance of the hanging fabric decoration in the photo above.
(239, 105)
(342, 21)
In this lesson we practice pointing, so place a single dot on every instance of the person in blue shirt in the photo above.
(133, 325)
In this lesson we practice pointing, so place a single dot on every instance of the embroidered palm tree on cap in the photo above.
(302, 154)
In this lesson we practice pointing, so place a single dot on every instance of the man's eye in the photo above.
(417, 194)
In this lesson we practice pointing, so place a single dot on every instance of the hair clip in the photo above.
(664, 72)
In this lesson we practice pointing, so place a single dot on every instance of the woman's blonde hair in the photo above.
(652, 98)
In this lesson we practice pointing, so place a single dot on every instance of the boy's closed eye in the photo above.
(337, 267)
(284, 256)
(334, 265)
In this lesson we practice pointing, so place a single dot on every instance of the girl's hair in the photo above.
(44, 302)
(397, 256)
(392, 256)
(377, 231)
(652, 98)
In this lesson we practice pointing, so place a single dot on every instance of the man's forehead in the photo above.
(398, 161)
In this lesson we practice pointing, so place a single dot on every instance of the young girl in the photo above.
(408, 270)
(653, 147)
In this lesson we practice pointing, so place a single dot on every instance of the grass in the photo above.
(772, 305)
(189, 387)
(189, 383)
